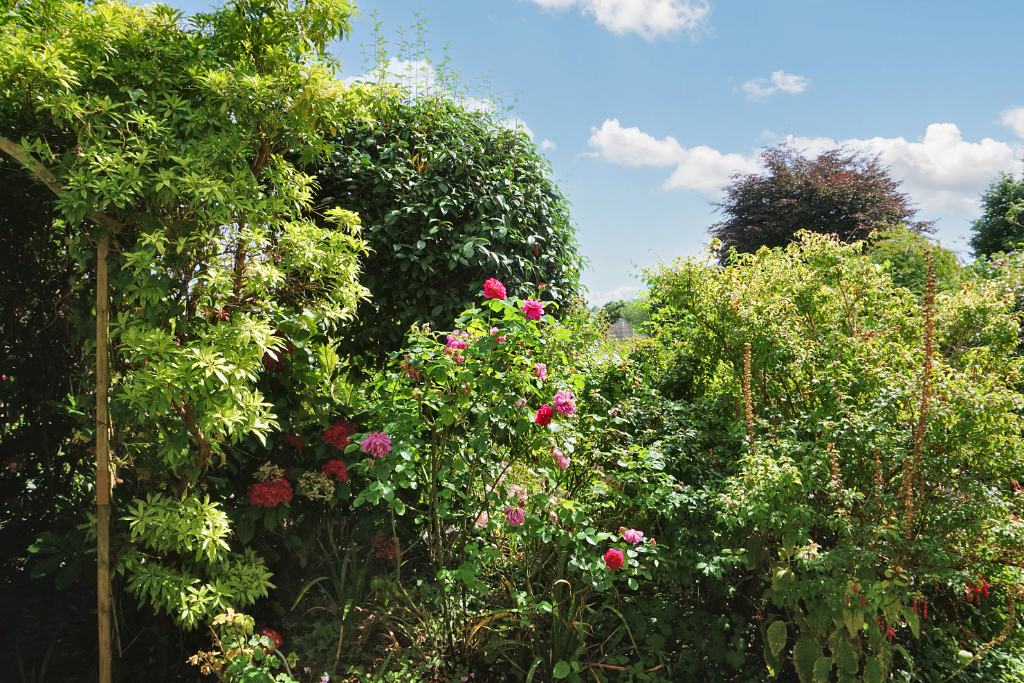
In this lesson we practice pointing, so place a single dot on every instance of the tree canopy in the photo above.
(840, 191)
(1000, 228)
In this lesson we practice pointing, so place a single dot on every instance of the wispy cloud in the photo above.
(548, 145)
(941, 171)
(624, 292)
(761, 88)
(650, 19)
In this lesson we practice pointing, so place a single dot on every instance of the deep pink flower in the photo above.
(335, 469)
(565, 404)
(633, 536)
(457, 341)
(544, 415)
(377, 444)
(533, 309)
(500, 337)
(613, 559)
(514, 516)
(541, 370)
(493, 289)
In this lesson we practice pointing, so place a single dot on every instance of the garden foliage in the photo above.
(447, 196)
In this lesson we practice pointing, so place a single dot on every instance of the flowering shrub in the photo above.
(335, 469)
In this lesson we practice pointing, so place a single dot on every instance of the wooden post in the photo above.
(102, 461)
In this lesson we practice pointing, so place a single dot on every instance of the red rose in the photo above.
(336, 470)
(613, 559)
(494, 289)
(544, 415)
(273, 635)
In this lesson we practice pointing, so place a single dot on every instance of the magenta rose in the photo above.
(376, 444)
(632, 536)
(533, 309)
(544, 415)
(514, 515)
(565, 404)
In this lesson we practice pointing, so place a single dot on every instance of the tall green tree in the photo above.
(1000, 228)
(840, 192)
(169, 137)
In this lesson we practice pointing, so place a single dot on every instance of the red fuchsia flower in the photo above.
(533, 309)
(293, 441)
(335, 469)
(514, 515)
(270, 494)
(544, 415)
(565, 404)
(273, 635)
(633, 536)
(377, 444)
(613, 559)
(338, 434)
(541, 370)
(493, 289)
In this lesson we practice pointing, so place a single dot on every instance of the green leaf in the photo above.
(912, 621)
(806, 653)
(843, 652)
(47, 566)
(822, 669)
(873, 671)
(777, 636)
(561, 669)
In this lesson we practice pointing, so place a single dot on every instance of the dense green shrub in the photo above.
(447, 197)
(880, 451)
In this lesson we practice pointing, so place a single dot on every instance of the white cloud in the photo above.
(649, 19)
(547, 144)
(514, 122)
(761, 88)
(623, 292)
(1014, 118)
(697, 168)
(941, 171)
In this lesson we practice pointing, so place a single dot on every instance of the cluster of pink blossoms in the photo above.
(563, 462)
(565, 404)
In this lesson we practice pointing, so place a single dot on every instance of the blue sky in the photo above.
(647, 106)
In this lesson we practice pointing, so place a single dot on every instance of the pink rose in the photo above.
(493, 289)
(633, 536)
(377, 444)
(495, 330)
(514, 516)
(563, 462)
(565, 404)
(613, 559)
(520, 403)
(541, 370)
(544, 415)
(456, 340)
(533, 309)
